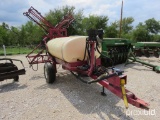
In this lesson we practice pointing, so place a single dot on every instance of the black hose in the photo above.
(88, 53)
(77, 76)
(87, 50)
(100, 78)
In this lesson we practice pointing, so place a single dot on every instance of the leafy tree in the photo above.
(94, 22)
(153, 26)
(14, 35)
(127, 25)
(4, 32)
(141, 33)
(127, 28)
(56, 15)
(30, 34)
(22, 36)
(5, 26)
(157, 38)
(1, 36)
(147, 31)
(9, 35)
(112, 30)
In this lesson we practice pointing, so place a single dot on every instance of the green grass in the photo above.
(15, 51)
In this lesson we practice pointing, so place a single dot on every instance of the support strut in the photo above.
(103, 93)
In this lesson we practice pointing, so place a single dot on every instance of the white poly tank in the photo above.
(69, 49)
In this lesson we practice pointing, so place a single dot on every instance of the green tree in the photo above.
(56, 15)
(30, 34)
(147, 31)
(127, 28)
(153, 26)
(22, 36)
(4, 33)
(5, 26)
(94, 22)
(127, 25)
(157, 38)
(1, 35)
(141, 33)
(112, 30)
(14, 35)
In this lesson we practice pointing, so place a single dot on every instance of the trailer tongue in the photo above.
(110, 78)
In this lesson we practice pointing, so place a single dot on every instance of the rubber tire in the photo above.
(49, 73)
(16, 79)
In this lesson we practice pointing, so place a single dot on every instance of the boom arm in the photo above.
(36, 16)
(54, 31)
(65, 22)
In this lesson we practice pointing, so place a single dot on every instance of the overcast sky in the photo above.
(11, 11)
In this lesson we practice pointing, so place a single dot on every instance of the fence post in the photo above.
(4, 48)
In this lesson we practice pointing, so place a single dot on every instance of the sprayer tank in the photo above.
(69, 49)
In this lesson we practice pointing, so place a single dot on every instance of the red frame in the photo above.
(113, 83)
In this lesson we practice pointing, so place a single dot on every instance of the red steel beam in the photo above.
(114, 88)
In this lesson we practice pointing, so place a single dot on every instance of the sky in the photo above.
(11, 11)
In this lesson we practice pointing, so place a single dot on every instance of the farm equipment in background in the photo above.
(144, 48)
(132, 58)
(119, 50)
(147, 49)
(116, 50)
(110, 78)
(8, 70)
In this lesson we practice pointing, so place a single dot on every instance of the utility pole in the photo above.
(120, 27)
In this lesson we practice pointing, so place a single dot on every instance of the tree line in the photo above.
(31, 34)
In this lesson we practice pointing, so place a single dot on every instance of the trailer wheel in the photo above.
(16, 79)
(49, 73)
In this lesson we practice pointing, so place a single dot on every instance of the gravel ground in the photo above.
(69, 99)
